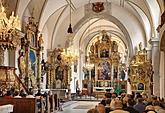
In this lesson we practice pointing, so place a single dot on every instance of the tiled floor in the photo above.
(69, 107)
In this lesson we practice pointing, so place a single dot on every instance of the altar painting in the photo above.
(104, 71)
(59, 73)
(32, 62)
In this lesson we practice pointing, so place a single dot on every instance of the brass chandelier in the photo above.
(70, 54)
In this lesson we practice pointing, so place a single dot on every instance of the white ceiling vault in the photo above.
(133, 21)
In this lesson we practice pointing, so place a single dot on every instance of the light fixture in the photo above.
(69, 54)
(9, 30)
(70, 30)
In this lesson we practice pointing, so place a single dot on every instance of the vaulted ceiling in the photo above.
(133, 21)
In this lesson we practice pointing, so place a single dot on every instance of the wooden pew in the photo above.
(52, 103)
(21, 105)
(56, 101)
(47, 104)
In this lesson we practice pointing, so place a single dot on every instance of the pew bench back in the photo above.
(21, 105)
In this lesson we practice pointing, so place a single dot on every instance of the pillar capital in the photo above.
(154, 42)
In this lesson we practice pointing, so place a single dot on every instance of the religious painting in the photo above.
(140, 86)
(104, 71)
(104, 53)
(32, 62)
(59, 73)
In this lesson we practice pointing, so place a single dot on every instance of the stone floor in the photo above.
(78, 106)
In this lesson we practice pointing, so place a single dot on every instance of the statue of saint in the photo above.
(140, 46)
(41, 41)
(105, 37)
(114, 47)
(21, 63)
(97, 45)
(92, 49)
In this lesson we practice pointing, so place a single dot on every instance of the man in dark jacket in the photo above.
(130, 105)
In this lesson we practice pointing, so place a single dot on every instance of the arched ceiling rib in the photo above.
(140, 14)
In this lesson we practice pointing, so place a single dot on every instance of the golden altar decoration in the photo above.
(29, 60)
(140, 73)
(59, 69)
(105, 56)
(9, 41)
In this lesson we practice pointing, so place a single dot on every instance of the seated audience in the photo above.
(16, 94)
(149, 109)
(107, 107)
(114, 96)
(140, 107)
(118, 107)
(130, 105)
(8, 95)
(93, 111)
(38, 93)
(30, 95)
(157, 105)
(100, 108)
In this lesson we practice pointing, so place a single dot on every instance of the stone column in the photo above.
(155, 62)
(1, 57)
(149, 53)
(162, 74)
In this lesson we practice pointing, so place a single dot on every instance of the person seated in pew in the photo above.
(93, 110)
(16, 94)
(107, 107)
(30, 95)
(38, 93)
(100, 108)
(23, 93)
(8, 95)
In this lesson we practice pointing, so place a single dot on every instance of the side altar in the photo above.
(140, 73)
(58, 73)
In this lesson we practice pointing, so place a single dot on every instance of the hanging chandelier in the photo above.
(9, 30)
(70, 30)
(70, 54)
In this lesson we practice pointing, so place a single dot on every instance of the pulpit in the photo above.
(9, 79)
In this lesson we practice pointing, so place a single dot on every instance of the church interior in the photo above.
(76, 55)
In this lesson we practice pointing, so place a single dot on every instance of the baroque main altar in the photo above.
(109, 71)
